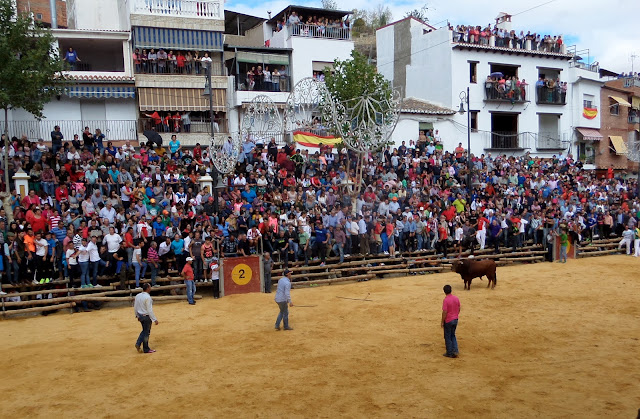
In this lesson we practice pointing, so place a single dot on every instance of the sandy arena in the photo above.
(551, 340)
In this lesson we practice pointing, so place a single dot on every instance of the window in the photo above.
(473, 72)
(587, 104)
(615, 109)
(39, 16)
(474, 121)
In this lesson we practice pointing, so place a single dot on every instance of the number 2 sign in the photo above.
(241, 275)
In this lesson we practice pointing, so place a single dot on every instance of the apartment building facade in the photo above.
(435, 65)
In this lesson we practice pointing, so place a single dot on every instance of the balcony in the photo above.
(199, 125)
(495, 92)
(200, 9)
(193, 68)
(114, 130)
(506, 140)
(550, 96)
(633, 119)
(549, 141)
(313, 31)
(282, 84)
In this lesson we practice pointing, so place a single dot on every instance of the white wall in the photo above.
(101, 15)
(307, 50)
(385, 51)
(406, 130)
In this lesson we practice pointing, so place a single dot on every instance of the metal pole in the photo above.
(209, 69)
(468, 144)
(54, 14)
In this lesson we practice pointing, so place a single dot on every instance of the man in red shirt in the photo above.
(187, 274)
(459, 152)
(449, 322)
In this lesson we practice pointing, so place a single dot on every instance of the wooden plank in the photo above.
(39, 309)
(301, 284)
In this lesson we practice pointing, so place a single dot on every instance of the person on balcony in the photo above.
(275, 80)
(206, 62)
(172, 63)
(137, 60)
(186, 121)
(266, 79)
(152, 59)
(180, 62)
(162, 61)
(71, 56)
(188, 63)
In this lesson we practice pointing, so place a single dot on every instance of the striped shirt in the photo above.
(152, 255)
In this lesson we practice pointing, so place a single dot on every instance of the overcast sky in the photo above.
(608, 29)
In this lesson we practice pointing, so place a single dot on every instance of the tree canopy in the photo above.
(420, 14)
(31, 66)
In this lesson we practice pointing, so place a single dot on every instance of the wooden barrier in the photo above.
(301, 284)
(38, 309)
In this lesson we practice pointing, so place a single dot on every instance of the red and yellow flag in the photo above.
(590, 113)
(309, 139)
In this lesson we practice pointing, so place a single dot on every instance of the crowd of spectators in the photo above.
(508, 39)
(160, 61)
(629, 75)
(506, 88)
(315, 26)
(141, 208)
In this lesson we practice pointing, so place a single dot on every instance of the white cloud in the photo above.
(607, 29)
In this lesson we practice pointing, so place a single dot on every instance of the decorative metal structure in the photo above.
(261, 118)
(224, 153)
(308, 101)
(367, 122)
(633, 154)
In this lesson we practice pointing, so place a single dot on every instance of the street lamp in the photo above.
(464, 97)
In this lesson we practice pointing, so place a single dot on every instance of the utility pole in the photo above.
(633, 58)
(209, 69)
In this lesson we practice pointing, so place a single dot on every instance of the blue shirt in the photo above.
(173, 146)
(321, 235)
(249, 196)
(283, 292)
(177, 246)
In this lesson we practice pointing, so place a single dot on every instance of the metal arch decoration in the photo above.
(367, 122)
(224, 152)
(308, 100)
(261, 117)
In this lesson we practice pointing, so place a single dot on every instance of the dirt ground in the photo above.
(552, 340)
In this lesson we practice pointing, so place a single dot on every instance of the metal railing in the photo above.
(549, 140)
(113, 130)
(171, 67)
(202, 9)
(633, 119)
(277, 84)
(88, 66)
(314, 31)
(494, 91)
(631, 82)
(198, 126)
(506, 140)
(551, 96)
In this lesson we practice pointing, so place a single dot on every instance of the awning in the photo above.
(589, 134)
(635, 102)
(168, 99)
(620, 101)
(320, 66)
(618, 145)
(177, 39)
(102, 92)
(260, 58)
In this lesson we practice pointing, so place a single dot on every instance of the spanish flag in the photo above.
(590, 113)
(309, 139)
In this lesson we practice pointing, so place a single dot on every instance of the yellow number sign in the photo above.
(241, 274)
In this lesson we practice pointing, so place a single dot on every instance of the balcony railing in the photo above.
(495, 92)
(313, 31)
(551, 96)
(202, 9)
(506, 140)
(282, 84)
(170, 67)
(549, 141)
(633, 119)
(199, 125)
(113, 130)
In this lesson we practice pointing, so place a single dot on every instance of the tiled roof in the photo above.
(511, 50)
(79, 77)
(413, 105)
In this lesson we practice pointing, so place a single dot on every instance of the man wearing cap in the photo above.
(283, 299)
(187, 274)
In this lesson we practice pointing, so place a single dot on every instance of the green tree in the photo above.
(30, 71)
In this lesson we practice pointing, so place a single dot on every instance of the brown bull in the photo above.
(471, 268)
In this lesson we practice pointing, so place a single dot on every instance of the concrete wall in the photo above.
(174, 22)
(385, 40)
(98, 15)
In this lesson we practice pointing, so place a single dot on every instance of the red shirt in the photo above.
(482, 222)
(187, 271)
(451, 304)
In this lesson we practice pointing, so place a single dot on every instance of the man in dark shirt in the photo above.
(243, 245)
(322, 237)
(230, 245)
(56, 139)
(282, 246)
(87, 138)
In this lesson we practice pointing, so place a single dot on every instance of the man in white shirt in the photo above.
(143, 309)
(112, 240)
(109, 213)
(41, 251)
(94, 260)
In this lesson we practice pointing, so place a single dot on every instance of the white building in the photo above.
(430, 64)
(297, 51)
